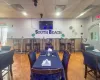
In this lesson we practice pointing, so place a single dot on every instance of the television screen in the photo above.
(46, 25)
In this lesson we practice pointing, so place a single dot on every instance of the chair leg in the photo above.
(1, 78)
(11, 72)
(66, 74)
(8, 75)
(85, 72)
(95, 72)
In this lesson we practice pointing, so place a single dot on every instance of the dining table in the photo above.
(97, 54)
(2, 57)
(93, 52)
(55, 64)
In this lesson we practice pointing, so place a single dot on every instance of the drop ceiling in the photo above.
(72, 8)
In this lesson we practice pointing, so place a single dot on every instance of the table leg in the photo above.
(1, 78)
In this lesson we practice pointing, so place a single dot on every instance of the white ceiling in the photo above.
(47, 7)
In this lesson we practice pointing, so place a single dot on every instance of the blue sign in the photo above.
(47, 32)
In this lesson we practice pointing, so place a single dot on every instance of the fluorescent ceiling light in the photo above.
(58, 13)
(83, 13)
(24, 13)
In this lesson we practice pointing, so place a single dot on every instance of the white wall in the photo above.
(89, 22)
(24, 27)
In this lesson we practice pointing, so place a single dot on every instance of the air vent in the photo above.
(17, 7)
(60, 7)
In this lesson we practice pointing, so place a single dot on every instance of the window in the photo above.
(3, 35)
(94, 32)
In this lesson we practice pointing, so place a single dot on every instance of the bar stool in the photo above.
(36, 47)
(62, 46)
(28, 45)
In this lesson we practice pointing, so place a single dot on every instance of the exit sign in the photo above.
(98, 16)
(2, 24)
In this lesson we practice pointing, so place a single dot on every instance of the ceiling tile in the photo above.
(61, 2)
(47, 7)
(48, 2)
(96, 2)
(19, 1)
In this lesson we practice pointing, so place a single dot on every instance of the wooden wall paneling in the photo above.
(9, 42)
(40, 44)
(57, 44)
(17, 44)
(24, 45)
(65, 43)
(77, 44)
(54, 43)
(43, 43)
(66, 40)
(27, 41)
(21, 44)
(31, 43)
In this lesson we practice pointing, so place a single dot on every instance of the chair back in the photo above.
(48, 46)
(32, 58)
(46, 71)
(90, 60)
(5, 48)
(43, 52)
(6, 59)
(65, 60)
(89, 48)
(83, 46)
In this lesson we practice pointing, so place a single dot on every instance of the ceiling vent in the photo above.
(17, 7)
(60, 8)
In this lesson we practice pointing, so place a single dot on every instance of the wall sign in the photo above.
(62, 35)
(2, 24)
(47, 32)
(98, 16)
(33, 35)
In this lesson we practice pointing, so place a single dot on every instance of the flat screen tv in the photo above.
(45, 25)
